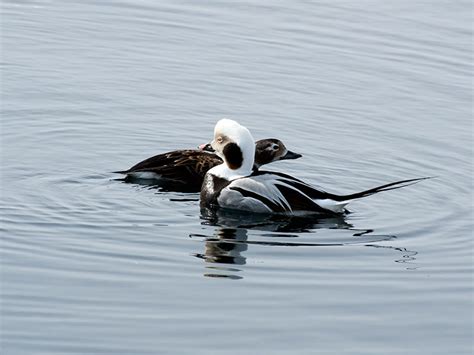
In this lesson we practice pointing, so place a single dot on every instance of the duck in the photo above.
(235, 185)
(186, 168)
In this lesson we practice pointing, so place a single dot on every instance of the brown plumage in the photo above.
(184, 170)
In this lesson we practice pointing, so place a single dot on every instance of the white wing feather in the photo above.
(263, 185)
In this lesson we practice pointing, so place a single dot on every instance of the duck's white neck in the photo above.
(223, 171)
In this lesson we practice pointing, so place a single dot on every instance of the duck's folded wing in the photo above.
(277, 192)
(180, 165)
(272, 192)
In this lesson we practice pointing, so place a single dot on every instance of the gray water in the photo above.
(369, 92)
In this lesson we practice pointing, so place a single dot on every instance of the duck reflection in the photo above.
(272, 222)
(225, 247)
(408, 256)
(162, 185)
(229, 240)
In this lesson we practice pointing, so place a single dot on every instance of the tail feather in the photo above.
(120, 172)
(387, 187)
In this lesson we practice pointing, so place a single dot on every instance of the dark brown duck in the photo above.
(187, 168)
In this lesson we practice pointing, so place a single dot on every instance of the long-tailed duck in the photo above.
(188, 167)
(235, 185)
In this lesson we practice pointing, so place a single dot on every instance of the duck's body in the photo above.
(234, 185)
(274, 192)
(188, 167)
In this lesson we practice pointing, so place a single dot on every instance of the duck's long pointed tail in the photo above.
(387, 187)
(120, 172)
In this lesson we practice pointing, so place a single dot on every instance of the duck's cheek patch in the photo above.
(233, 156)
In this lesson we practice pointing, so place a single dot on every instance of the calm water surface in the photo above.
(369, 93)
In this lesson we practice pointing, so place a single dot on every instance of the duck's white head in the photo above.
(235, 145)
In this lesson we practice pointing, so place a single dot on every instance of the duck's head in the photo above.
(235, 145)
(267, 151)
(270, 150)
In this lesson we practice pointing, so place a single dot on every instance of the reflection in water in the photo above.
(230, 238)
(272, 222)
(225, 248)
(162, 185)
(408, 256)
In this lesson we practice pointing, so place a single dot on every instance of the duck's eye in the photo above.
(219, 140)
(275, 147)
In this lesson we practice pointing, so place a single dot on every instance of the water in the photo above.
(370, 93)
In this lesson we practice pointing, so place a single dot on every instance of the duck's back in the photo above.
(181, 166)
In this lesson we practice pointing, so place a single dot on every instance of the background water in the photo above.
(369, 92)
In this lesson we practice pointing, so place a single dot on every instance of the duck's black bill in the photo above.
(207, 148)
(290, 155)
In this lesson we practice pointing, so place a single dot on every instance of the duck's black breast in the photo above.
(211, 189)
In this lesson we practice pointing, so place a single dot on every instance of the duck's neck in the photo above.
(223, 171)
